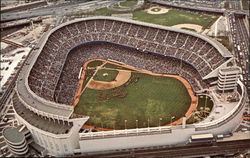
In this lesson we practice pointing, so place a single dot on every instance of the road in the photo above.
(57, 10)
(240, 39)
(202, 6)
(197, 150)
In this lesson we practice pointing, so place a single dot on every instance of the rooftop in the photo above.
(39, 122)
(230, 69)
(13, 135)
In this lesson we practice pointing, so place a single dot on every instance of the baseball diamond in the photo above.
(150, 98)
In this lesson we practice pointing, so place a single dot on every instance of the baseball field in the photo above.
(134, 99)
(170, 18)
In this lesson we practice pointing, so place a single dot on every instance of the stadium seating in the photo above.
(55, 73)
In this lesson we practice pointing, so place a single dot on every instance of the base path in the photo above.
(122, 77)
(195, 27)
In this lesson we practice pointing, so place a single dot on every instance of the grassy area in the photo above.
(128, 3)
(88, 74)
(174, 17)
(112, 66)
(94, 63)
(143, 97)
(105, 75)
(107, 12)
(103, 12)
(204, 107)
(116, 5)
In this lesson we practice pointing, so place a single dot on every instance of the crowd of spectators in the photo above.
(55, 73)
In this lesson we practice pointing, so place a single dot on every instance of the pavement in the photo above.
(56, 10)
(9, 67)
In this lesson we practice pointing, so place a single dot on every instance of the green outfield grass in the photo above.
(143, 97)
(112, 66)
(174, 17)
(88, 74)
(111, 75)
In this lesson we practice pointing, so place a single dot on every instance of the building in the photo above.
(228, 78)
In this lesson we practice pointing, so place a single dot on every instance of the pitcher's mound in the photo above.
(105, 74)
(157, 10)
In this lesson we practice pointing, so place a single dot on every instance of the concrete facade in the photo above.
(15, 140)
(228, 78)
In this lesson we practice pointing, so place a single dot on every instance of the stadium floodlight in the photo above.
(137, 127)
(148, 122)
(172, 119)
(206, 102)
(125, 121)
(160, 121)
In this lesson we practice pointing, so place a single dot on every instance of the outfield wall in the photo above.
(178, 135)
(68, 144)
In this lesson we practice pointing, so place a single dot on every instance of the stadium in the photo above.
(56, 91)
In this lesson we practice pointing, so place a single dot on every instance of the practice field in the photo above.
(174, 17)
(151, 100)
(128, 3)
(170, 18)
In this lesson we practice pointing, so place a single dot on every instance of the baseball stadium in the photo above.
(105, 83)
